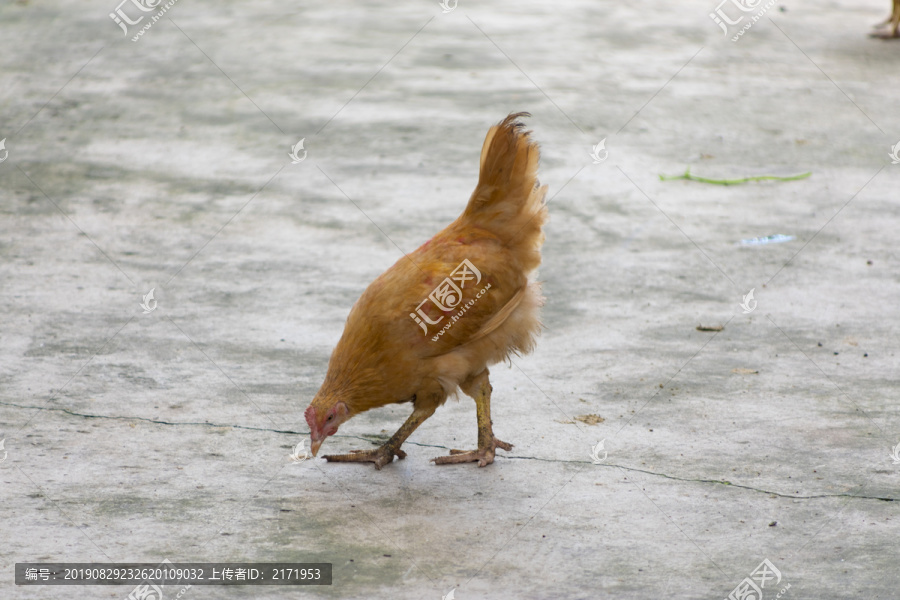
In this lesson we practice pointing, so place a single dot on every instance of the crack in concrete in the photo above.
(716, 481)
(376, 439)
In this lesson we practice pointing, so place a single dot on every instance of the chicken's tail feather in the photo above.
(509, 200)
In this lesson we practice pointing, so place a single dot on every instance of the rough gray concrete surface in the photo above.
(163, 163)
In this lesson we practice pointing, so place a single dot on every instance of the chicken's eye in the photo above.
(330, 418)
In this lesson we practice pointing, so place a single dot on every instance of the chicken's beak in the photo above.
(314, 446)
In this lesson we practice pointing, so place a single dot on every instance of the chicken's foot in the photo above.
(892, 23)
(889, 34)
(391, 448)
(483, 456)
(379, 456)
(479, 387)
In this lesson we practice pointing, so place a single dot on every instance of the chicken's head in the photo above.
(324, 422)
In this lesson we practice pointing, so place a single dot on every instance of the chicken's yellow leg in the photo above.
(479, 388)
(391, 448)
(893, 21)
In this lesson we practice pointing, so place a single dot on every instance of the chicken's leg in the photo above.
(893, 31)
(385, 454)
(479, 387)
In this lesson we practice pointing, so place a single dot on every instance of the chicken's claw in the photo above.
(484, 456)
(380, 456)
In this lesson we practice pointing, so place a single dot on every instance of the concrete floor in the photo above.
(163, 163)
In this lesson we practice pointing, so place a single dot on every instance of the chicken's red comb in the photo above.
(310, 415)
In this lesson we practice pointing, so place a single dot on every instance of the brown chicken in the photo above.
(432, 323)
(893, 23)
